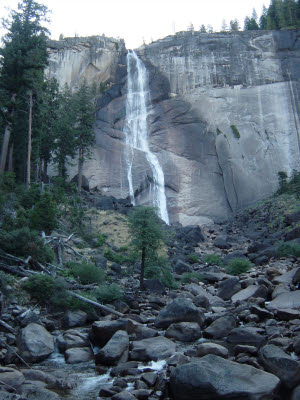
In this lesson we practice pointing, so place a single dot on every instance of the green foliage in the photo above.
(235, 131)
(101, 239)
(44, 214)
(108, 293)
(42, 287)
(28, 197)
(120, 258)
(23, 242)
(238, 266)
(7, 182)
(193, 258)
(159, 268)
(288, 249)
(289, 185)
(188, 277)
(87, 273)
(219, 131)
(213, 259)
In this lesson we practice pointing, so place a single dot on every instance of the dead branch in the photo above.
(11, 349)
(95, 304)
(7, 327)
(14, 271)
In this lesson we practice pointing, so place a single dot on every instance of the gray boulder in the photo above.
(276, 361)
(116, 350)
(184, 331)
(77, 355)
(213, 377)
(35, 343)
(37, 393)
(74, 318)
(179, 310)
(72, 338)
(157, 348)
(228, 288)
(104, 330)
(100, 261)
(245, 335)
(285, 300)
(154, 286)
(181, 267)
(211, 348)
(250, 291)
(11, 377)
(221, 327)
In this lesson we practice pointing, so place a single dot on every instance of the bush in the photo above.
(193, 258)
(108, 293)
(29, 197)
(43, 217)
(7, 181)
(288, 250)
(238, 266)
(87, 273)
(235, 131)
(188, 277)
(213, 259)
(101, 239)
(23, 243)
(159, 268)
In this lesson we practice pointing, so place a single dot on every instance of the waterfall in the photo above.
(136, 132)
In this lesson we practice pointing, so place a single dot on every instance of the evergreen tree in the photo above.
(251, 24)
(148, 235)
(64, 131)
(210, 29)
(234, 25)
(202, 29)
(263, 18)
(22, 62)
(84, 131)
(224, 27)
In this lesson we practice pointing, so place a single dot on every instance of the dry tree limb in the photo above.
(14, 271)
(7, 327)
(11, 349)
(95, 304)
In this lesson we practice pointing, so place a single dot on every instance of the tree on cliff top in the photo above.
(148, 235)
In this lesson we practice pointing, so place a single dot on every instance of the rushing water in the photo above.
(136, 132)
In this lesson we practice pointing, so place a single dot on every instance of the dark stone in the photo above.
(228, 288)
(182, 267)
(245, 335)
(293, 234)
(221, 242)
(221, 327)
(116, 349)
(85, 182)
(154, 286)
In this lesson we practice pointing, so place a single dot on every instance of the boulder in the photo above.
(211, 348)
(250, 291)
(11, 377)
(115, 350)
(229, 287)
(221, 242)
(104, 330)
(276, 361)
(154, 286)
(179, 310)
(72, 338)
(37, 393)
(100, 261)
(245, 335)
(213, 377)
(35, 343)
(221, 327)
(291, 277)
(77, 355)
(181, 267)
(85, 183)
(157, 348)
(184, 331)
(285, 300)
(72, 319)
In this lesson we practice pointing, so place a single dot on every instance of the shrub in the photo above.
(101, 239)
(213, 259)
(159, 268)
(238, 266)
(288, 249)
(7, 181)
(43, 287)
(193, 258)
(43, 217)
(23, 242)
(108, 293)
(188, 277)
(87, 273)
(235, 131)
(29, 197)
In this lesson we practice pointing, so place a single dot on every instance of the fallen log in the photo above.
(95, 304)
(13, 271)
(7, 327)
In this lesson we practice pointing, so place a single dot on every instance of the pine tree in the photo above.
(202, 29)
(234, 25)
(224, 27)
(22, 62)
(84, 132)
(263, 18)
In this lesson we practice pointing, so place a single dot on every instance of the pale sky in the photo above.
(138, 20)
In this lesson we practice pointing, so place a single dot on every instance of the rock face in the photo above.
(223, 120)
(212, 377)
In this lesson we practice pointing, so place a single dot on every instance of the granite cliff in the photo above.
(224, 117)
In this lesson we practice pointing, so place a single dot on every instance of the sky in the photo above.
(138, 21)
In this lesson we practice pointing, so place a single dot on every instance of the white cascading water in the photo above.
(136, 131)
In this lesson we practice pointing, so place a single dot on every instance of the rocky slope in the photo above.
(224, 121)
(223, 337)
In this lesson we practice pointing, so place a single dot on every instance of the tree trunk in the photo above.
(10, 158)
(80, 167)
(4, 149)
(45, 170)
(29, 140)
(142, 268)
